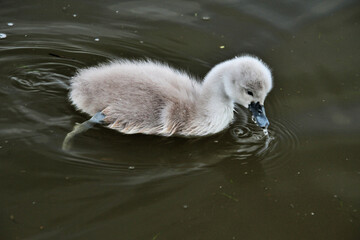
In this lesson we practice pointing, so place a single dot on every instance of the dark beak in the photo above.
(258, 112)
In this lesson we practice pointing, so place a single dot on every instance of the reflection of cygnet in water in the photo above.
(152, 98)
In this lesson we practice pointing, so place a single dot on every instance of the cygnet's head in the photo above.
(247, 82)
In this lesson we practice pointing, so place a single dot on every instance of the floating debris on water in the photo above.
(10, 24)
(185, 206)
(222, 47)
(131, 167)
(230, 197)
(3, 35)
(66, 7)
(205, 18)
(155, 237)
(75, 15)
(266, 132)
(97, 39)
(117, 11)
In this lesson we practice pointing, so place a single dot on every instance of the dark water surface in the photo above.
(301, 182)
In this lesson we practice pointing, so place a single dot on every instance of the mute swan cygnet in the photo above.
(152, 98)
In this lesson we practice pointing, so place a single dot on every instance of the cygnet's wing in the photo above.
(144, 124)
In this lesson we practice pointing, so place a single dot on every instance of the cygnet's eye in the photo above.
(250, 93)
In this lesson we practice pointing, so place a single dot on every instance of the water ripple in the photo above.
(38, 74)
(272, 150)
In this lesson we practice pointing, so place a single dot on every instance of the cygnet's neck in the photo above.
(214, 101)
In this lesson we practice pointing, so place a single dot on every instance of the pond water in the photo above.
(300, 182)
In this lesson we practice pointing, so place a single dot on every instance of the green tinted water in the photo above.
(300, 183)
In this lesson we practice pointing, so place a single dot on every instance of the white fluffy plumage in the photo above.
(153, 98)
